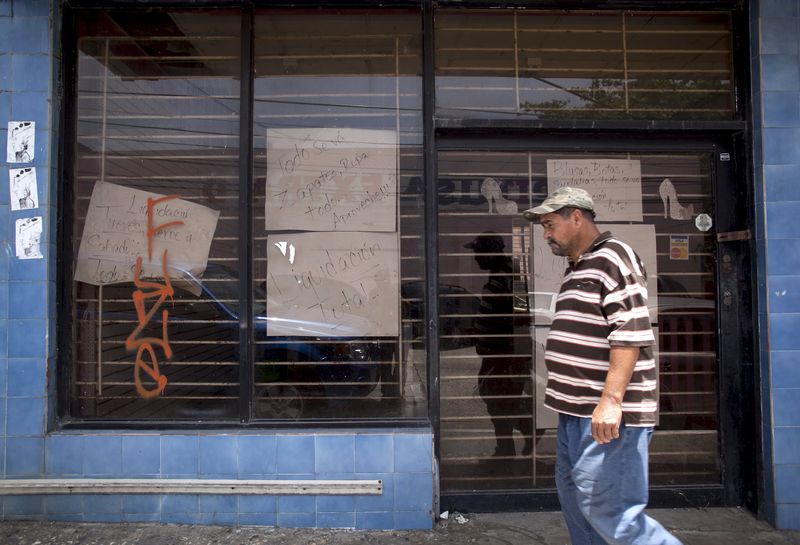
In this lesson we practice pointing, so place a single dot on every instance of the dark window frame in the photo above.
(68, 132)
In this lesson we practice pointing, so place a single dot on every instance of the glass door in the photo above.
(497, 282)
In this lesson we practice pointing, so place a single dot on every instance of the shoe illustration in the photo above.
(672, 207)
(491, 191)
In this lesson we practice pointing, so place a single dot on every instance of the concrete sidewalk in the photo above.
(724, 526)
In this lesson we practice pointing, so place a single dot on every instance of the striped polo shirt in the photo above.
(602, 303)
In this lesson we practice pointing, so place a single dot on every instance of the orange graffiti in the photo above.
(163, 291)
(152, 231)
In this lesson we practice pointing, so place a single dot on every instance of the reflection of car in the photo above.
(457, 309)
(203, 326)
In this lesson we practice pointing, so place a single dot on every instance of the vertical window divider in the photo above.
(245, 216)
(625, 61)
(516, 62)
(431, 220)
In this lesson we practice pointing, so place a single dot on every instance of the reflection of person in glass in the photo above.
(505, 368)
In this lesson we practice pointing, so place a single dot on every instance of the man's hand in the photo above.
(606, 419)
(607, 416)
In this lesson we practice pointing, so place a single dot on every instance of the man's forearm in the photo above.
(607, 415)
(621, 364)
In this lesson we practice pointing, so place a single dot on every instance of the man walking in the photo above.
(601, 377)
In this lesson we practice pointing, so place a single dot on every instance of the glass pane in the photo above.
(338, 215)
(603, 65)
(497, 286)
(157, 118)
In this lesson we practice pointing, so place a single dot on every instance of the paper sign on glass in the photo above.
(332, 284)
(29, 235)
(21, 141)
(331, 180)
(614, 184)
(115, 235)
(24, 192)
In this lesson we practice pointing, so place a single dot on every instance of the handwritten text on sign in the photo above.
(340, 284)
(331, 180)
(116, 233)
(614, 184)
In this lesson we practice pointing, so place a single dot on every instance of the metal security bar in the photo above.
(291, 487)
(598, 65)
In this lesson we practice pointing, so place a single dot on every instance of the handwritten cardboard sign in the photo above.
(331, 180)
(116, 234)
(614, 184)
(333, 284)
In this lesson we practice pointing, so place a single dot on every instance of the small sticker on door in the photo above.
(679, 247)
(703, 222)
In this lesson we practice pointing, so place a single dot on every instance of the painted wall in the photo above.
(777, 165)
(402, 459)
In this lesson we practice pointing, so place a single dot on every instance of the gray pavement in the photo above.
(718, 526)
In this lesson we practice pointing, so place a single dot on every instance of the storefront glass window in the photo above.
(604, 65)
(499, 279)
(338, 264)
(337, 224)
(155, 307)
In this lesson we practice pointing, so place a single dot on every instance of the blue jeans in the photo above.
(603, 488)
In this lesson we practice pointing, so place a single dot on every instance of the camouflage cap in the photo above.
(562, 197)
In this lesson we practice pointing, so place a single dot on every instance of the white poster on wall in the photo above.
(23, 188)
(121, 227)
(547, 269)
(333, 284)
(21, 143)
(331, 180)
(614, 184)
(28, 238)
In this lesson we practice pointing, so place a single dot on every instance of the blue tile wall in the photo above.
(336, 520)
(258, 457)
(780, 35)
(25, 416)
(781, 109)
(788, 516)
(141, 456)
(787, 483)
(295, 454)
(374, 453)
(26, 36)
(32, 8)
(218, 457)
(406, 504)
(786, 368)
(412, 453)
(180, 455)
(26, 377)
(102, 455)
(64, 456)
(780, 73)
(777, 97)
(141, 503)
(336, 454)
(24, 456)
